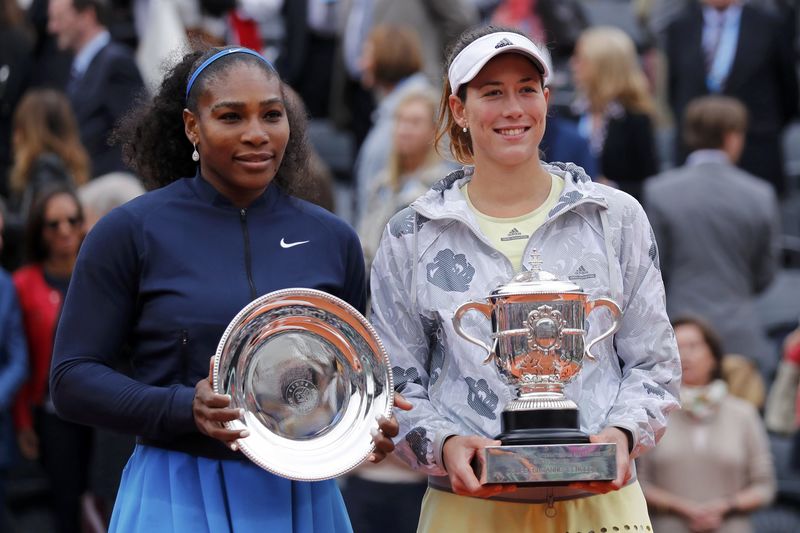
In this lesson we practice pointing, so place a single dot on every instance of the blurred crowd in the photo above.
(690, 106)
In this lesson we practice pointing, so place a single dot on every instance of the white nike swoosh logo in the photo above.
(285, 244)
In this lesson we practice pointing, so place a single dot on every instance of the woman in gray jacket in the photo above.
(473, 231)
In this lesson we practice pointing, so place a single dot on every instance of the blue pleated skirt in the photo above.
(168, 491)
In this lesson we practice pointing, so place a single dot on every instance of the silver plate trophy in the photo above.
(538, 347)
(311, 375)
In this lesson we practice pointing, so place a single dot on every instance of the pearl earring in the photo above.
(464, 129)
(195, 155)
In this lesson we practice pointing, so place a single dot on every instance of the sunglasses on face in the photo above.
(73, 222)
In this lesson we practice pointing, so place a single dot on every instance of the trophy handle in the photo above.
(616, 313)
(484, 308)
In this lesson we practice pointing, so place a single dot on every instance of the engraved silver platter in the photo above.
(312, 377)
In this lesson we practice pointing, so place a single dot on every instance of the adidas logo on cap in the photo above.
(503, 42)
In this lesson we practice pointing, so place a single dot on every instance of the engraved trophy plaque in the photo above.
(538, 346)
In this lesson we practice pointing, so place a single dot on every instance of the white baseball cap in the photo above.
(476, 54)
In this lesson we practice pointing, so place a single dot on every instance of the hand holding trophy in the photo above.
(538, 345)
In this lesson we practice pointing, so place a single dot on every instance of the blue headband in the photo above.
(218, 55)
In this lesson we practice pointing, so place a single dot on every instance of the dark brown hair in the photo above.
(102, 9)
(710, 337)
(709, 119)
(44, 122)
(11, 14)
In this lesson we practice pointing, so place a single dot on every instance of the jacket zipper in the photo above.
(247, 256)
(184, 355)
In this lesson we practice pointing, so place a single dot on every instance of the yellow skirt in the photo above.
(623, 511)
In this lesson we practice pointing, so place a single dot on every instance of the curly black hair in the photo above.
(153, 137)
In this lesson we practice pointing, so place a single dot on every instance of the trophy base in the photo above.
(546, 464)
(544, 447)
(541, 426)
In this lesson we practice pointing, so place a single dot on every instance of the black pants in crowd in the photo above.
(65, 449)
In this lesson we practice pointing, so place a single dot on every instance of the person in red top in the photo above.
(53, 235)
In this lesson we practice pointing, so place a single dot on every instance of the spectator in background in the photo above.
(391, 67)
(47, 149)
(413, 166)
(717, 230)
(103, 194)
(563, 142)
(104, 79)
(615, 108)
(16, 62)
(713, 467)
(307, 56)
(319, 189)
(13, 370)
(51, 65)
(734, 49)
(53, 236)
(782, 413)
(436, 22)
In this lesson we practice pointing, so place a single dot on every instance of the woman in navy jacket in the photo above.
(164, 275)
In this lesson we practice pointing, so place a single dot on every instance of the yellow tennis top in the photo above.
(510, 235)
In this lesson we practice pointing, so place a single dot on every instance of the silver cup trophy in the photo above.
(538, 345)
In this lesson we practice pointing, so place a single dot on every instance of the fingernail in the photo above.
(234, 447)
(241, 413)
(375, 433)
(244, 434)
(380, 418)
(371, 459)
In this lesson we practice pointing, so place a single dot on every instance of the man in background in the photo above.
(717, 230)
(732, 48)
(104, 80)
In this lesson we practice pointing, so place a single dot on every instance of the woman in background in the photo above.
(46, 150)
(414, 165)
(713, 467)
(391, 64)
(615, 107)
(47, 147)
(53, 236)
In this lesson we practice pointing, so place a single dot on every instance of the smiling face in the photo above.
(505, 110)
(241, 131)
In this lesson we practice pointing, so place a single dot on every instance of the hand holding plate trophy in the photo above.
(311, 376)
(538, 346)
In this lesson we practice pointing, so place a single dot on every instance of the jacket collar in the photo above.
(206, 192)
(445, 201)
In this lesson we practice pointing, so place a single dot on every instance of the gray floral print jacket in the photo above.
(433, 258)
